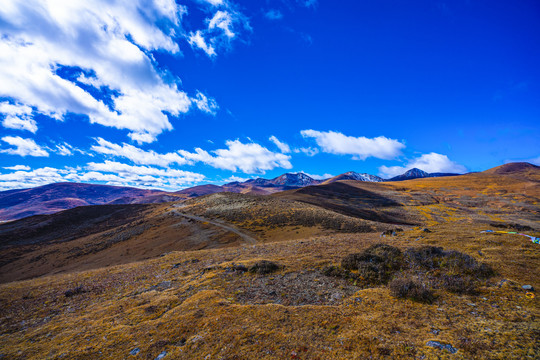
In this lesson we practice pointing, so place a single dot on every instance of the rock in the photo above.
(161, 355)
(164, 285)
(135, 351)
(442, 346)
(527, 287)
(435, 331)
(75, 291)
(426, 230)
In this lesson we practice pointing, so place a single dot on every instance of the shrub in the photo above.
(375, 265)
(411, 289)
(264, 267)
(425, 256)
(458, 284)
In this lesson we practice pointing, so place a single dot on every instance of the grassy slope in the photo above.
(191, 305)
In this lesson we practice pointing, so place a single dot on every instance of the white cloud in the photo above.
(18, 117)
(23, 147)
(17, 167)
(137, 155)
(223, 26)
(360, 147)
(222, 20)
(273, 14)
(431, 163)
(282, 146)
(197, 39)
(120, 168)
(213, 2)
(318, 177)
(106, 45)
(110, 173)
(535, 161)
(205, 104)
(250, 158)
(234, 178)
(309, 151)
(64, 149)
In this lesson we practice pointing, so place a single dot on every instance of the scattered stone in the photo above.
(182, 342)
(135, 351)
(442, 346)
(161, 355)
(426, 230)
(435, 331)
(471, 304)
(164, 285)
(177, 265)
(74, 291)
(527, 287)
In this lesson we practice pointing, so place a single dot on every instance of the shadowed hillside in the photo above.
(48, 199)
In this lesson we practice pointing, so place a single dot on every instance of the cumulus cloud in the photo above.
(109, 172)
(249, 158)
(281, 145)
(431, 163)
(359, 147)
(137, 155)
(18, 117)
(94, 58)
(23, 147)
(17, 167)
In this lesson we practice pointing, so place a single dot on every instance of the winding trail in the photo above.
(247, 238)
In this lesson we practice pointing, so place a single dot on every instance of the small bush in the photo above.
(425, 256)
(459, 284)
(336, 271)
(411, 289)
(264, 267)
(375, 265)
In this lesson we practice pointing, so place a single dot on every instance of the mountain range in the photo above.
(47, 199)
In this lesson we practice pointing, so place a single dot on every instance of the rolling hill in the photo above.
(47, 199)
(232, 275)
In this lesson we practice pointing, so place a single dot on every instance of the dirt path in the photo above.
(247, 238)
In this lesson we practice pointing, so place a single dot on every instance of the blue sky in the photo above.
(171, 94)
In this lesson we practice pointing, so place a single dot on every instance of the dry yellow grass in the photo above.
(197, 315)
(199, 305)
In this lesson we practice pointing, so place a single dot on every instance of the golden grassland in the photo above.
(183, 304)
(199, 302)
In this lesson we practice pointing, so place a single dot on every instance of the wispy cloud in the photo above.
(273, 14)
(359, 147)
(281, 145)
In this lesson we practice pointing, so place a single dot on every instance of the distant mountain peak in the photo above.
(351, 175)
(297, 180)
